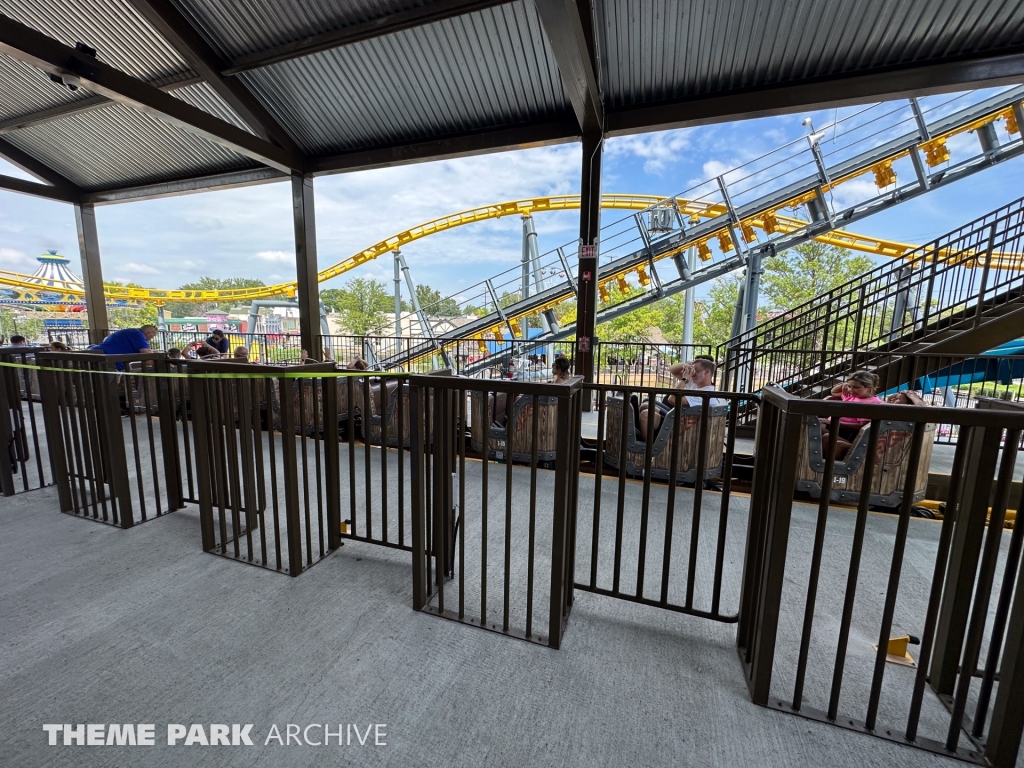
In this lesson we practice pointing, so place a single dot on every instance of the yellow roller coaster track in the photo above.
(767, 222)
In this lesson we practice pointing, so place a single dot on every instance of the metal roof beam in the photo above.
(478, 143)
(355, 33)
(229, 180)
(31, 47)
(88, 105)
(183, 37)
(569, 29)
(43, 172)
(893, 83)
(36, 189)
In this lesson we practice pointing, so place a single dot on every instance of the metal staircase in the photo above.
(731, 223)
(961, 294)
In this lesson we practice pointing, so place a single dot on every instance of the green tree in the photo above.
(436, 305)
(197, 309)
(332, 298)
(24, 324)
(362, 304)
(799, 274)
(713, 316)
(130, 317)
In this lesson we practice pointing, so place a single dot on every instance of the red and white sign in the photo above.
(586, 276)
(583, 344)
(588, 251)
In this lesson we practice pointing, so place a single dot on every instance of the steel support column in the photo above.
(590, 225)
(92, 272)
(398, 301)
(305, 264)
(524, 291)
(688, 301)
(752, 289)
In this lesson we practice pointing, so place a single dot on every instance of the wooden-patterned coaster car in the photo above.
(27, 378)
(892, 459)
(383, 404)
(306, 401)
(143, 388)
(661, 448)
(520, 444)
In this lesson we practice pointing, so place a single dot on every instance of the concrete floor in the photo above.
(99, 625)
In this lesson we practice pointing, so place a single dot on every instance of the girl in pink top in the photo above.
(859, 387)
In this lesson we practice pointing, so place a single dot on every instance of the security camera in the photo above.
(807, 123)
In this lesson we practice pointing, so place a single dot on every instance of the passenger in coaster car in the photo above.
(697, 375)
(561, 372)
(859, 387)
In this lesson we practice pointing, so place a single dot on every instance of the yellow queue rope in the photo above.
(282, 375)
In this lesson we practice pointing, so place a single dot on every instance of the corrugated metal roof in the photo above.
(237, 28)
(489, 68)
(654, 50)
(25, 89)
(202, 96)
(117, 146)
(121, 37)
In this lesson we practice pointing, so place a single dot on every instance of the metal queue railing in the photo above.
(661, 543)
(642, 364)
(509, 554)
(111, 435)
(268, 467)
(953, 381)
(971, 712)
(379, 485)
(641, 511)
(24, 464)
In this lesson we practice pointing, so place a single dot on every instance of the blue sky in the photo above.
(248, 232)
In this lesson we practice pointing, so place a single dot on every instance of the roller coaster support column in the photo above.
(524, 293)
(428, 332)
(305, 264)
(92, 272)
(752, 288)
(398, 302)
(691, 257)
(590, 225)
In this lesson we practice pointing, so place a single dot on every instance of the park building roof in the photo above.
(122, 99)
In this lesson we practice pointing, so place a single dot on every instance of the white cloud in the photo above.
(139, 269)
(277, 257)
(657, 150)
(14, 260)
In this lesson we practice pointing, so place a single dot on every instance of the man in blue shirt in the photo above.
(127, 341)
(218, 344)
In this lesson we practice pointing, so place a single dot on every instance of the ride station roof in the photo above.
(110, 100)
